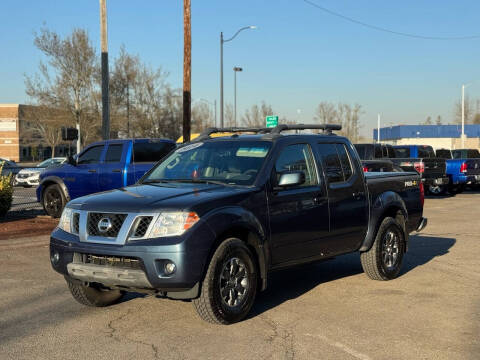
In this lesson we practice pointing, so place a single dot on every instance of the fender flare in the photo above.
(228, 219)
(384, 204)
(56, 180)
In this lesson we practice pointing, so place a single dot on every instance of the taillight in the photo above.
(463, 168)
(422, 194)
(365, 169)
(419, 166)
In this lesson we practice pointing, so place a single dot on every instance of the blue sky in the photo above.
(297, 57)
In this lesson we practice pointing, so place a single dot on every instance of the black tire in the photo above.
(91, 296)
(437, 190)
(375, 261)
(53, 200)
(213, 303)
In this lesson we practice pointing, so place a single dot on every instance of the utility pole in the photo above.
(221, 79)
(378, 131)
(105, 88)
(235, 70)
(187, 70)
(463, 116)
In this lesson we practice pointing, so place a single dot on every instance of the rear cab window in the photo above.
(402, 151)
(444, 154)
(150, 152)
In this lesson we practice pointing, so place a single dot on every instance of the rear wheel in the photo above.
(93, 296)
(230, 284)
(384, 259)
(53, 200)
(437, 189)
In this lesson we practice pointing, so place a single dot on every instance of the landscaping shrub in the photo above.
(6, 193)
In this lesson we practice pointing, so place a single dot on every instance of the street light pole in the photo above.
(463, 116)
(235, 70)
(104, 60)
(221, 65)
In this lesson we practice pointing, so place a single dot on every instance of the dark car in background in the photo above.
(9, 168)
(375, 157)
(422, 158)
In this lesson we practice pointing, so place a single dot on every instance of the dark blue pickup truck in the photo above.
(101, 166)
(210, 221)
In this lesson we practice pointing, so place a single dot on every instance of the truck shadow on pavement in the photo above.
(285, 285)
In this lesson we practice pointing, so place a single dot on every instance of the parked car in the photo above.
(375, 157)
(28, 177)
(422, 158)
(9, 167)
(101, 166)
(462, 171)
(215, 217)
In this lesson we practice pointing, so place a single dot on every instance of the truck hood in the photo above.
(154, 197)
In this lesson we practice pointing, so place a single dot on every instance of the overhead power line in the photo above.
(379, 28)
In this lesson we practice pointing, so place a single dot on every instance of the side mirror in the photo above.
(293, 178)
(71, 160)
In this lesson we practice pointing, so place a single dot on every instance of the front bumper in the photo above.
(151, 256)
(422, 224)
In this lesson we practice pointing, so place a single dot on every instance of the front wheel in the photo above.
(53, 200)
(230, 285)
(384, 259)
(93, 296)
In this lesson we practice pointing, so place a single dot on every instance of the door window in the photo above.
(336, 162)
(91, 155)
(114, 153)
(297, 157)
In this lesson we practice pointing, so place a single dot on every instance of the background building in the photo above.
(438, 136)
(18, 139)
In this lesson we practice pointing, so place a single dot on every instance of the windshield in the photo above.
(227, 162)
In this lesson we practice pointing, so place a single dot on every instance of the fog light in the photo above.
(55, 258)
(170, 268)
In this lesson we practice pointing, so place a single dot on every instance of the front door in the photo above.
(347, 197)
(299, 215)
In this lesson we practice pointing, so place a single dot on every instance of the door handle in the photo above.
(92, 171)
(116, 170)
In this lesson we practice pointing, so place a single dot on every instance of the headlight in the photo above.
(66, 220)
(173, 223)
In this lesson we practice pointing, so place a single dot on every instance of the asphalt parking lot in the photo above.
(329, 310)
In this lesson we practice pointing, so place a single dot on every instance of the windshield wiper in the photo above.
(201, 181)
(157, 181)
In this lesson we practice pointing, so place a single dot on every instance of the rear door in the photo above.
(347, 197)
(83, 179)
(112, 170)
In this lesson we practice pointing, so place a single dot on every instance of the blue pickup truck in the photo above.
(101, 166)
(463, 168)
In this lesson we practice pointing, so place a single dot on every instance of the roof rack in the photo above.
(327, 128)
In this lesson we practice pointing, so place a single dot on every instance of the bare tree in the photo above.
(325, 113)
(229, 117)
(428, 121)
(439, 120)
(68, 80)
(349, 117)
(469, 111)
(255, 116)
(201, 117)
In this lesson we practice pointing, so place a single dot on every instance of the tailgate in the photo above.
(473, 167)
(434, 167)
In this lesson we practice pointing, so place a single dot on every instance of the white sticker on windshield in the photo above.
(259, 152)
(189, 147)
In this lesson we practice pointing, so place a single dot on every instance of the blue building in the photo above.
(438, 136)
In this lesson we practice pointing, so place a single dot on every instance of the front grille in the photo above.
(141, 227)
(23, 176)
(76, 223)
(116, 221)
(107, 260)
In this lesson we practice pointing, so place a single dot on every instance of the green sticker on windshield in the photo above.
(259, 152)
